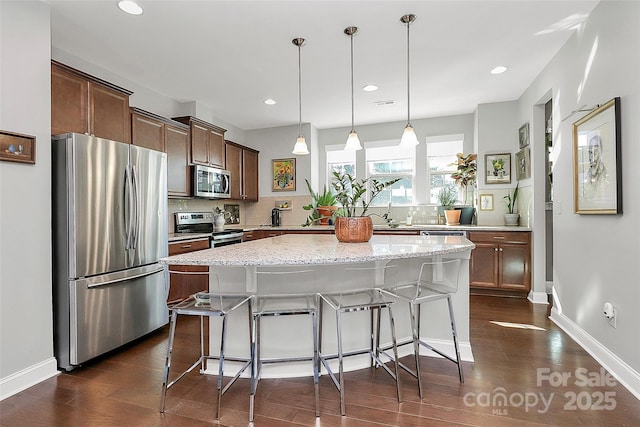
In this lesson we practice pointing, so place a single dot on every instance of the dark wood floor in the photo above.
(123, 389)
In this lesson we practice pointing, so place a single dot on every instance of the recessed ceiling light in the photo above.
(370, 88)
(499, 69)
(383, 103)
(130, 7)
(269, 101)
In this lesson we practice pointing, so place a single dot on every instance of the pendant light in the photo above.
(353, 142)
(409, 138)
(300, 148)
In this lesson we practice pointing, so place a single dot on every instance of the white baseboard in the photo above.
(28, 377)
(538, 297)
(622, 372)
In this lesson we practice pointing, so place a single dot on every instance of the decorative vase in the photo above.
(466, 214)
(511, 218)
(453, 216)
(357, 229)
(326, 212)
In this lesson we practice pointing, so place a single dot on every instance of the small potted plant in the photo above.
(511, 217)
(447, 197)
(322, 206)
(352, 222)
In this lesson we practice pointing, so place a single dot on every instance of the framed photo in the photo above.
(486, 202)
(523, 164)
(523, 135)
(497, 168)
(284, 174)
(597, 163)
(15, 147)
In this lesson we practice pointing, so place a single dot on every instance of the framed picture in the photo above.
(284, 174)
(597, 163)
(486, 202)
(15, 147)
(523, 164)
(523, 135)
(497, 168)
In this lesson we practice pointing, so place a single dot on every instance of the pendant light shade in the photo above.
(353, 142)
(409, 138)
(300, 148)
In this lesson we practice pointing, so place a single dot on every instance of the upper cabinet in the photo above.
(147, 130)
(84, 104)
(207, 142)
(242, 163)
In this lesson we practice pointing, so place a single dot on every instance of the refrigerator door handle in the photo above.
(127, 207)
(153, 271)
(135, 218)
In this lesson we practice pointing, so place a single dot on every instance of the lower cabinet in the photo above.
(501, 262)
(181, 286)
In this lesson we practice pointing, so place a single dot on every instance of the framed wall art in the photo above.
(523, 164)
(497, 168)
(486, 202)
(597, 163)
(523, 135)
(15, 147)
(284, 174)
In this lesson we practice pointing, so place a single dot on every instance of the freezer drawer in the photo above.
(111, 310)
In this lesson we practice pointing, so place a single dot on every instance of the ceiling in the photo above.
(231, 55)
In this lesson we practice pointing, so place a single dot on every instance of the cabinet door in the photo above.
(199, 144)
(233, 155)
(252, 235)
(216, 149)
(147, 132)
(69, 102)
(514, 267)
(483, 266)
(181, 286)
(178, 169)
(109, 113)
(250, 175)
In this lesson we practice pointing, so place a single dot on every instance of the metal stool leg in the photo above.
(455, 338)
(316, 362)
(340, 360)
(167, 363)
(392, 324)
(414, 312)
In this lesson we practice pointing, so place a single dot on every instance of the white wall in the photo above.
(26, 319)
(595, 255)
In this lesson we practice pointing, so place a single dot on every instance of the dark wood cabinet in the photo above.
(207, 142)
(242, 163)
(178, 155)
(181, 286)
(147, 131)
(501, 262)
(85, 104)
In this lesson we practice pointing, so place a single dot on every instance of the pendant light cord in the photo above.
(408, 79)
(352, 102)
(299, 91)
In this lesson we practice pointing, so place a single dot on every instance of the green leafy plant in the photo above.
(447, 196)
(325, 198)
(511, 198)
(465, 174)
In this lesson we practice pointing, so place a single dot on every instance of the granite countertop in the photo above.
(310, 249)
(418, 227)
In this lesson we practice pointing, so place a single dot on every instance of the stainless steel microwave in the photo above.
(211, 183)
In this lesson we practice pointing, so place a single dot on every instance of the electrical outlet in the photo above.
(613, 320)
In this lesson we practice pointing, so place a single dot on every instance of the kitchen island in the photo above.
(236, 267)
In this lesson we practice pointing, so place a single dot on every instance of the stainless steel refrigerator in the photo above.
(109, 230)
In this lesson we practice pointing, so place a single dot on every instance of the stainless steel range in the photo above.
(202, 222)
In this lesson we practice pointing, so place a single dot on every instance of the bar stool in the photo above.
(438, 279)
(206, 305)
(283, 293)
(357, 292)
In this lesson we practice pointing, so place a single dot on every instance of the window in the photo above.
(341, 161)
(386, 162)
(441, 159)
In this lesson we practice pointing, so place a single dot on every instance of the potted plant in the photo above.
(447, 197)
(322, 206)
(511, 217)
(352, 222)
(465, 177)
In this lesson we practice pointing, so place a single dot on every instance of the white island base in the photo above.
(236, 268)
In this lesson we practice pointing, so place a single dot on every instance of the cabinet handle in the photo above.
(186, 246)
(495, 249)
(498, 237)
(500, 249)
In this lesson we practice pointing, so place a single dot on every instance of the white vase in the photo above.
(511, 218)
